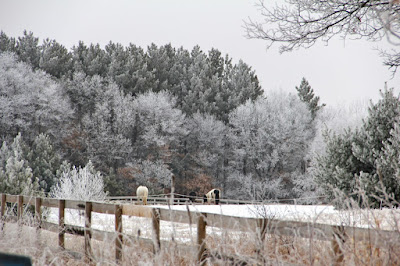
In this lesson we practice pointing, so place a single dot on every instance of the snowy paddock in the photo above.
(386, 219)
(180, 239)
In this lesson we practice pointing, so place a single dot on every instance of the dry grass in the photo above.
(39, 245)
(42, 247)
(224, 247)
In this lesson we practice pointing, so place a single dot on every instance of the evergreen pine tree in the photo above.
(6, 44)
(375, 147)
(55, 58)
(337, 167)
(28, 49)
(16, 177)
(388, 167)
(160, 60)
(365, 161)
(90, 60)
(306, 94)
(44, 162)
(382, 117)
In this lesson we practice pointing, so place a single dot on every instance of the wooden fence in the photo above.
(180, 199)
(174, 199)
(260, 226)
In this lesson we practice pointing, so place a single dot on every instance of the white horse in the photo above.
(142, 192)
(212, 196)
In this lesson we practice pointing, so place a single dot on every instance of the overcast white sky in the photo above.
(340, 72)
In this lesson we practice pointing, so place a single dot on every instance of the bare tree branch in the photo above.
(301, 23)
(391, 59)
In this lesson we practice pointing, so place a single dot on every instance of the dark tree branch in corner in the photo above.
(301, 23)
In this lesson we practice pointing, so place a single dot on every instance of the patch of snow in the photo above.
(277, 211)
(185, 233)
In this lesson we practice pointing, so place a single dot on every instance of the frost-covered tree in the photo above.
(7, 44)
(5, 153)
(337, 120)
(269, 138)
(360, 161)
(336, 170)
(30, 101)
(370, 145)
(239, 84)
(247, 187)
(206, 146)
(306, 94)
(90, 60)
(108, 130)
(159, 61)
(84, 92)
(44, 161)
(388, 168)
(159, 125)
(217, 91)
(28, 50)
(195, 84)
(55, 58)
(382, 117)
(208, 83)
(79, 184)
(156, 175)
(129, 69)
(16, 176)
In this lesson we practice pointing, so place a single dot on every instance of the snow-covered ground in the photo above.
(278, 211)
(383, 219)
(325, 214)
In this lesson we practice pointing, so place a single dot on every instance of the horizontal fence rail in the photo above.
(260, 226)
(180, 199)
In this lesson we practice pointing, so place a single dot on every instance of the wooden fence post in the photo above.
(3, 205)
(201, 237)
(61, 223)
(172, 190)
(38, 219)
(87, 233)
(38, 212)
(3, 212)
(156, 229)
(20, 207)
(339, 238)
(118, 230)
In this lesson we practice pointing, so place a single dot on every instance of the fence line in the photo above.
(261, 226)
(165, 199)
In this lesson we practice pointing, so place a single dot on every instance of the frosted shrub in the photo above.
(80, 184)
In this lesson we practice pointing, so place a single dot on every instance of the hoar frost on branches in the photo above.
(363, 164)
(301, 23)
(16, 176)
(155, 175)
(80, 184)
(269, 139)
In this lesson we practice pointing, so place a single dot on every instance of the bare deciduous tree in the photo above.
(300, 23)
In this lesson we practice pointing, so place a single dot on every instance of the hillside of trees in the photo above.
(138, 116)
